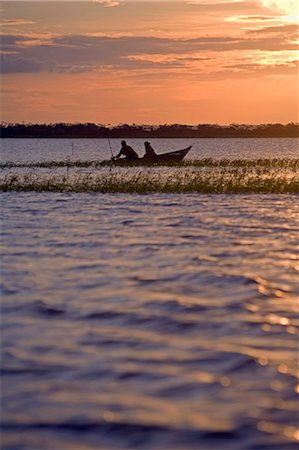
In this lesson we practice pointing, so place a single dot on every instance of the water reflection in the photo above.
(149, 322)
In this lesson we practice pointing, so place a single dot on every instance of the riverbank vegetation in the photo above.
(91, 130)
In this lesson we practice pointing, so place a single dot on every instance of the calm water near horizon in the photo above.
(36, 150)
(149, 322)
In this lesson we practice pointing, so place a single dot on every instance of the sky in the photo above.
(149, 62)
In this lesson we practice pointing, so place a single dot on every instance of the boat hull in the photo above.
(177, 155)
(174, 156)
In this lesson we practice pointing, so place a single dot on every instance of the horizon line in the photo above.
(133, 125)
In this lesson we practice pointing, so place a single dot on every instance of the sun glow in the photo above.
(288, 7)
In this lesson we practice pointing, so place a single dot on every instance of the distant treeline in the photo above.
(91, 130)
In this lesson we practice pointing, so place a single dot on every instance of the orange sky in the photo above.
(111, 62)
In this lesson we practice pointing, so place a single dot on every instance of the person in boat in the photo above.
(127, 152)
(150, 153)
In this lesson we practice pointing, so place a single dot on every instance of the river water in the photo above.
(157, 322)
(36, 150)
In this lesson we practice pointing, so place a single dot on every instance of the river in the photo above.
(155, 322)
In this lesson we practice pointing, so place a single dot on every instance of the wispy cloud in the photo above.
(290, 29)
(108, 3)
(19, 64)
(248, 18)
(15, 22)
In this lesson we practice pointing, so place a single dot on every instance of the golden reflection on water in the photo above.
(276, 428)
(266, 327)
(225, 381)
(263, 361)
(292, 330)
(283, 368)
(275, 319)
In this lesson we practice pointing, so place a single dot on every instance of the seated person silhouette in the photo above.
(150, 154)
(126, 151)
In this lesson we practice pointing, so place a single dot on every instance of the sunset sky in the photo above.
(150, 62)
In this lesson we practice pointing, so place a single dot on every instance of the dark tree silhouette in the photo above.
(91, 130)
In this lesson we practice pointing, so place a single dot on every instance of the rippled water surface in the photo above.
(149, 321)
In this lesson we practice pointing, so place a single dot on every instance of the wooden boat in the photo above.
(174, 156)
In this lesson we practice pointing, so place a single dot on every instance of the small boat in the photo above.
(174, 156)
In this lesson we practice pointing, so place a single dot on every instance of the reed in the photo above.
(206, 162)
(242, 180)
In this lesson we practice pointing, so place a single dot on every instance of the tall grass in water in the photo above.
(259, 180)
(286, 163)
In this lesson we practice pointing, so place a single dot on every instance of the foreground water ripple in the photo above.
(149, 322)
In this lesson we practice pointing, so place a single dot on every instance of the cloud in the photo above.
(289, 68)
(12, 39)
(79, 53)
(108, 3)
(11, 64)
(248, 18)
(291, 28)
(285, 6)
(15, 22)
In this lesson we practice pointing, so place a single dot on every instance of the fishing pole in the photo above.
(109, 142)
